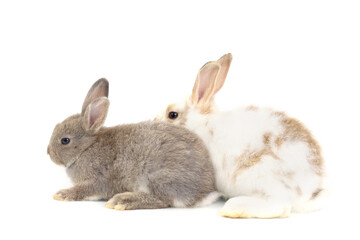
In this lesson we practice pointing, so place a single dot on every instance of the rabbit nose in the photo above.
(48, 150)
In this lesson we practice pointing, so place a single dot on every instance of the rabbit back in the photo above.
(170, 161)
(257, 151)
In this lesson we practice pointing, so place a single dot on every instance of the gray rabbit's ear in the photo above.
(95, 114)
(99, 89)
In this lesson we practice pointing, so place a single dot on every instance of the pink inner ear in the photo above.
(99, 89)
(204, 83)
(97, 114)
(94, 115)
(206, 77)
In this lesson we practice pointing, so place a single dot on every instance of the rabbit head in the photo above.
(76, 133)
(209, 81)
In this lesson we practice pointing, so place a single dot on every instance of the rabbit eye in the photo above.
(173, 115)
(65, 141)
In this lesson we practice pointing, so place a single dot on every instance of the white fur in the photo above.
(209, 199)
(92, 198)
(265, 189)
(179, 204)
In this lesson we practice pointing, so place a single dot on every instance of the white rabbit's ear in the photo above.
(95, 114)
(224, 62)
(204, 87)
(99, 89)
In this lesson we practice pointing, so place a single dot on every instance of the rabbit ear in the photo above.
(204, 87)
(95, 114)
(224, 62)
(99, 89)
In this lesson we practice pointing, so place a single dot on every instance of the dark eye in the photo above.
(65, 141)
(173, 115)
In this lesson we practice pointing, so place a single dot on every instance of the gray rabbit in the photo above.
(146, 165)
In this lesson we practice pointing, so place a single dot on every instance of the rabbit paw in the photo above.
(122, 201)
(253, 207)
(66, 195)
(136, 200)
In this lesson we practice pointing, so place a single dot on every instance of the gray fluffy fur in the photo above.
(143, 165)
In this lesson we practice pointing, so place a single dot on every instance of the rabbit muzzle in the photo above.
(53, 156)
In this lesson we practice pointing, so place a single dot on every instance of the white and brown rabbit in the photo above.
(137, 166)
(266, 163)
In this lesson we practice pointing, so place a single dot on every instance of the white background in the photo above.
(301, 57)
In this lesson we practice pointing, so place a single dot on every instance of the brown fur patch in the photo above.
(267, 138)
(294, 130)
(250, 158)
(315, 194)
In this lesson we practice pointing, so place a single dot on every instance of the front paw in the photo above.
(122, 201)
(66, 195)
(135, 200)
